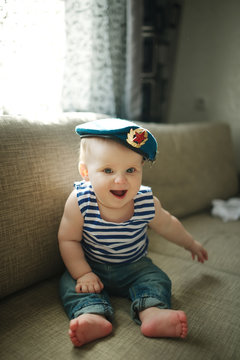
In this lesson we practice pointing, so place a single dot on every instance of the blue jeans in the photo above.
(142, 282)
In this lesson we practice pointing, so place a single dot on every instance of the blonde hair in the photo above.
(86, 145)
(82, 150)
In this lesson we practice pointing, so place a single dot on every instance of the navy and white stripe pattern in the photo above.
(110, 242)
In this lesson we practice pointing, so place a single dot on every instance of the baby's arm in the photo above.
(171, 229)
(69, 237)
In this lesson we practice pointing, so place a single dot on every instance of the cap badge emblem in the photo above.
(137, 137)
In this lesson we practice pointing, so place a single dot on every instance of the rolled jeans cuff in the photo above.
(144, 303)
(99, 309)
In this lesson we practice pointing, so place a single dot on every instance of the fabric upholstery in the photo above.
(38, 167)
(34, 325)
(195, 164)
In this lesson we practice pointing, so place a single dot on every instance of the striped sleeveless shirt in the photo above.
(110, 242)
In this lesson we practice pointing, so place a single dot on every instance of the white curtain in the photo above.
(72, 55)
(102, 69)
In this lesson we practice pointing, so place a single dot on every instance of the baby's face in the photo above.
(115, 172)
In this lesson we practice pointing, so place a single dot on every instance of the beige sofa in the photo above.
(195, 164)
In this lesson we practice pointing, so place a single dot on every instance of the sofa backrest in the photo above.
(39, 164)
(195, 164)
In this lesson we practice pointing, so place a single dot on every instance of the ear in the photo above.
(83, 171)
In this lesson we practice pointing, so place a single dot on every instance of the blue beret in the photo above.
(126, 132)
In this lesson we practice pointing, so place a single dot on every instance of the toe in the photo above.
(73, 325)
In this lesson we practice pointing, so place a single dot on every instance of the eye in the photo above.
(131, 170)
(108, 171)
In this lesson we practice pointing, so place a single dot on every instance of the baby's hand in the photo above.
(89, 283)
(198, 250)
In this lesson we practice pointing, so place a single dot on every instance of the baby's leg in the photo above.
(88, 327)
(163, 323)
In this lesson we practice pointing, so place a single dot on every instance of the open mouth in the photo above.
(119, 193)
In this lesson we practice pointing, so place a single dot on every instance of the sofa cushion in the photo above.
(195, 164)
(219, 238)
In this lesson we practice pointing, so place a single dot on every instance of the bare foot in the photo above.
(163, 323)
(88, 327)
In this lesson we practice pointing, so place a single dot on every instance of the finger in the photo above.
(84, 288)
(97, 288)
(78, 288)
(201, 258)
(91, 288)
(101, 285)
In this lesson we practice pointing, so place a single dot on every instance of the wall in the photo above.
(206, 85)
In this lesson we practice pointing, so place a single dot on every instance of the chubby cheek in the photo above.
(136, 183)
(100, 187)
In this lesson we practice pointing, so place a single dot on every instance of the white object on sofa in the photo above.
(227, 210)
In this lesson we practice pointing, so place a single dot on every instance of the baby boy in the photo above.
(103, 236)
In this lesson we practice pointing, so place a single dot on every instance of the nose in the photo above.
(120, 179)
